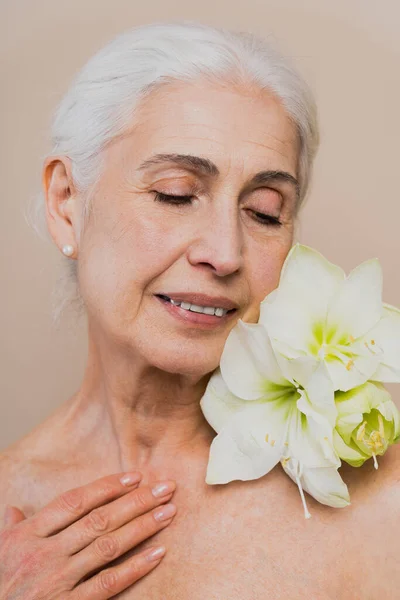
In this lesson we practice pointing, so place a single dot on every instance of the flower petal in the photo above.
(361, 399)
(346, 425)
(354, 373)
(320, 391)
(349, 452)
(218, 403)
(321, 431)
(240, 450)
(390, 412)
(299, 369)
(309, 441)
(386, 338)
(357, 305)
(308, 282)
(248, 363)
(326, 485)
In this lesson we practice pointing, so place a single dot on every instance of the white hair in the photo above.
(101, 101)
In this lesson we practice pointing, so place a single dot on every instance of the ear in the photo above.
(62, 203)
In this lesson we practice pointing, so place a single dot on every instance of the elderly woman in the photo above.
(181, 156)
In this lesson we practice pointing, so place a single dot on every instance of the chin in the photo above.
(194, 359)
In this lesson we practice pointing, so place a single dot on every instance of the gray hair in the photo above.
(102, 99)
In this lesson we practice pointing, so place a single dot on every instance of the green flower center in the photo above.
(330, 344)
(370, 435)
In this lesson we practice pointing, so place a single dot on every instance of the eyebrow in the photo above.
(204, 166)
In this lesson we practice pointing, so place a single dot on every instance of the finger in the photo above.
(110, 582)
(74, 504)
(114, 515)
(108, 547)
(12, 515)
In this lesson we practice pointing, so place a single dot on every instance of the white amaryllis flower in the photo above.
(317, 311)
(263, 416)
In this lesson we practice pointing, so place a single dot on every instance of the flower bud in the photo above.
(367, 423)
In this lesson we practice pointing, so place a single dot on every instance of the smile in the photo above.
(196, 314)
(207, 310)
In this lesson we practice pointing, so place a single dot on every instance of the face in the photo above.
(178, 228)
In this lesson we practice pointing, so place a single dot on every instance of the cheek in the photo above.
(121, 258)
(264, 274)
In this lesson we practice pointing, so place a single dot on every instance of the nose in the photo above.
(218, 241)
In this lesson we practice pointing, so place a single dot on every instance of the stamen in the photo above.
(368, 348)
(351, 339)
(344, 357)
(376, 441)
(272, 442)
(266, 437)
(381, 427)
(335, 352)
(361, 432)
(377, 350)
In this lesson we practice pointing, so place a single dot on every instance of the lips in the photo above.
(202, 300)
(194, 316)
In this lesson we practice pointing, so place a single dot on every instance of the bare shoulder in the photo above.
(28, 469)
(34, 469)
(20, 471)
(30, 483)
(376, 485)
(374, 522)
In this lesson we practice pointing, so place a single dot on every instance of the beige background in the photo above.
(348, 50)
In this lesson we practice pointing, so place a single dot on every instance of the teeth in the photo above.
(207, 310)
(196, 308)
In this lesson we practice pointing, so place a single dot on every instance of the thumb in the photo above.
(13, 515)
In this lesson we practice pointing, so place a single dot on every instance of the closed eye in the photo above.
(182, 200)
(160, 197)
(267, 219)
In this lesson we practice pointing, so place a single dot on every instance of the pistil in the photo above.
(295, 471)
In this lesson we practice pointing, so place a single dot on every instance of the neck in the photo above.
(140, 416)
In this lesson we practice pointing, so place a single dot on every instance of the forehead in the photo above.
(235, 127)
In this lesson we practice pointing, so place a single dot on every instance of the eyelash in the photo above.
(181, 200)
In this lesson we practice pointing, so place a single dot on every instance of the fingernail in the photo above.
(130, 478)
(163, 488)
(156, 553)
(164, 513)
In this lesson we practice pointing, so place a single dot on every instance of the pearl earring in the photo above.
(68, 250)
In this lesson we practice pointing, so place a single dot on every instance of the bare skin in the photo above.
(138, 405)
(243, 541)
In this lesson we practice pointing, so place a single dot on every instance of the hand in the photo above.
(53, 554)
